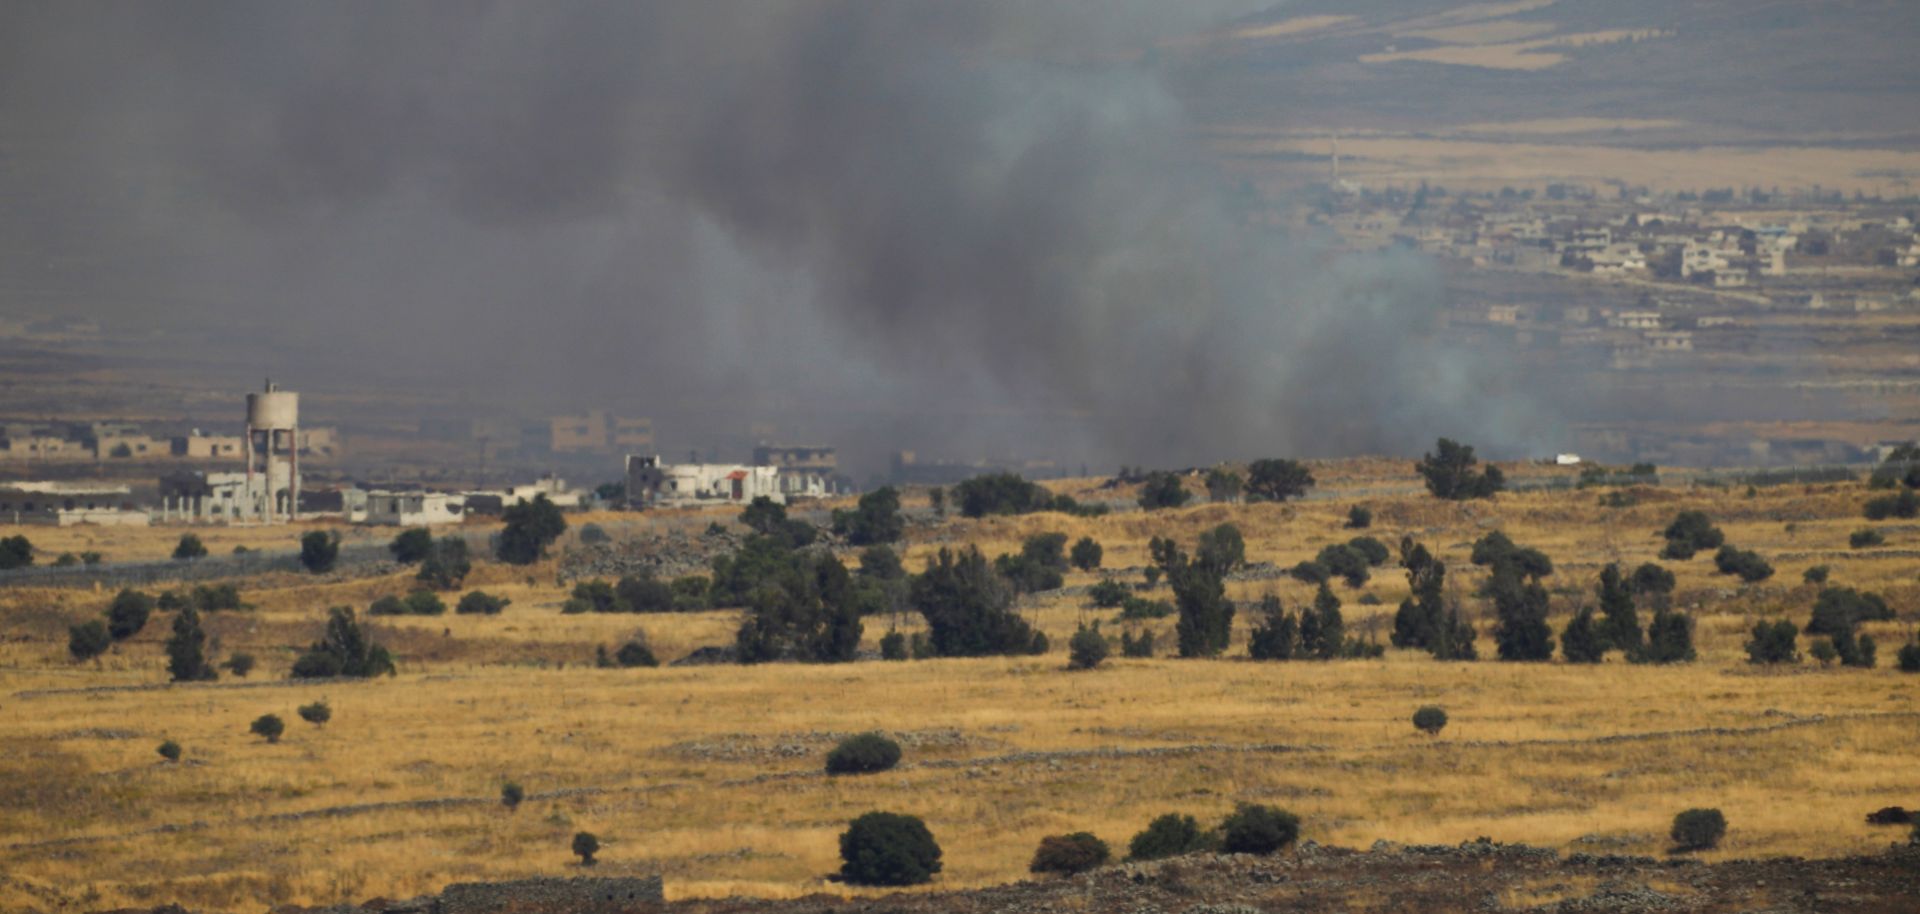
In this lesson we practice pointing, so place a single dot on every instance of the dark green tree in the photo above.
(1418, 621)
(968, 607)
(1359, 518)
(187, 649)
(1221, 549)
(344, 649)
(1583, 640)
(1274, 479)
(1669, 639)
(88, 639)
(808, 612)
(1322, 630)
(1430, 719)
(875, 520)
(1620, 623)
(1000, 493)
(1086, 554)
(888, 849)
(445, 566)
(1689, 533)
(479, 602)
(268, 727)
(531, 526)
(1223, 485)
(16, 552)
(1069, 854)
(319, 551)
(1206, 615)
(189, 548)
(128, 614)
(1345, 562)
(585, 845)
(1168, 836)
(1258, 830)
(317, 713)
(863, 753)
(1087, 649)
(1277, 635)
(411, 545)
(1450, 473)
(1520, 610)
(1163, 490)
(1773, 642)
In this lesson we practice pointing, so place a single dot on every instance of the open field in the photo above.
(711, 775)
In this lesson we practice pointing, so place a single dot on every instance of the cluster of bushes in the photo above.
(417, 603)
(1087, 648)
(1007, 493)
(1449, 473)
(15, 552)
(1667, 639)
(125, 617)
(1744, 563)
(1317, 632)
(1351, 561)
(1040, 565)
(531, 526)
(204, 598)
(876, 519)
(636, 652)
(1425, 620)
(863, 753)
(1690, 532)
(344, 649)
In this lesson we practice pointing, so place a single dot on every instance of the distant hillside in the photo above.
(1732, 70)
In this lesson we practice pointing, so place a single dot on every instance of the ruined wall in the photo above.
(580, 895)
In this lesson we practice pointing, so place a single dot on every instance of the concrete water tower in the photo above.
(273, 428)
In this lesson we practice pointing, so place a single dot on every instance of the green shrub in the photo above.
(411, 545)
(1109, 593)
(1168, 836)
(1823, 651)
(1163, 490)
(424, 603)
(594, 535)
(1311, 573)
(1087, 649)
(1344, 562)
(1865, 539)
(319, 551)
(1815, 575)
(170, 751)
(1142, 608)
(1069, 854)
(1745, 563)
(187, 649)
(1698, 829)
(863, 753)
(1669, 639)
(1773, 642)
(239, 664)
(1136, 647)
(1086, 554)
(1909, 657)
(479, 602)
(316, 714)
(88, 639)
(893, 646)
(446, 565)
(1450, 473)
(269, 726)
(635, 653)
(1376, 552)
(344, 649)
(585, 845)
(16, 552)
(1277, 479)
(215, 597)
(1359, 518)
(890, 849)
(1689, 533)
(1430, 720)
(189, 548)
(1905, 505)
(1259, 830)
(128, 614)
(512, 795)
(1000, 493)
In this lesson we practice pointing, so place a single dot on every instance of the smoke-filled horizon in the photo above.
(987, 219)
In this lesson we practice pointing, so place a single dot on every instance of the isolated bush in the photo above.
(215, 597)
(1259, 830)
(1430, 720)
(1864, 539)
(16, 552)
(1690, 532)
(269, 726)
(1086, 554)
(1815, 575)
(424, 603)
(1069, 854)
(999, 493)
(893, 646)
(890, 849)
(1650, 580)
(1087, 649)
(170, 601)
(594, 535)
(1449, 473)
(187, 649)
(585, 845)
(1109, 593)
(1773, 642)
(531, 528)
(1909, 657)
(189, 548)
(446, 565)
(128, 614)
(1375, 551)
(1039, 645)
(319, 551)
(1163, 490)
(1277, 479)
(1168, 836)
(1136, 647)
(239, 664)
(1359, 518)
(344, 649)
(1743, 562)
(411, 545)
(635, 653)
(388, 605)
(863, 753)
(511, 795)
(170, 751)
(88, 639)
(1698, 829)
(317, 713)
(479, 602)
(1905, 505)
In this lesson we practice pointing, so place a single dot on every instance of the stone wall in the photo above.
(580, 895)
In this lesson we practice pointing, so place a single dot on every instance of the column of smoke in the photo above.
(986, 218)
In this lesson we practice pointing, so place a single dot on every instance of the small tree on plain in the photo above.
(128, 614)
(1258, 830)
(88, 639)
(1449, 473)
(1167, 836)
(531, 528)
(269, 727)
(1069, 854)
(170, 751)
(189, 548)
(888, 849)
(863, 753)
(1773, 642)
(1087, 649)
(1163, 490)
(1275, 479)
(411, 545)
(319, 551)
(239, 664)
(1430, 720)
(317, 713)
(585, 845)
(187, 649)
(1359, 518)
(511, 795)
(1698, 829)
(1086, 554)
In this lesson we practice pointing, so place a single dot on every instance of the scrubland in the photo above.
(711, 775)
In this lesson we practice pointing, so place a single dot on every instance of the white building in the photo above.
(65, 504)
(651, 483)
(414, 508)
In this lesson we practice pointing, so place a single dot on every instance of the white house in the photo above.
(414, 508)
(651, 483)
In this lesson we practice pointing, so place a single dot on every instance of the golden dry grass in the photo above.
(710, 775)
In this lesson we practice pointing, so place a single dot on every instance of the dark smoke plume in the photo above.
(988, 219)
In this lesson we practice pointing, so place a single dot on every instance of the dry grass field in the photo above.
(712, 775)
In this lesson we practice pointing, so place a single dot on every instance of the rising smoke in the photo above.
(983, 225)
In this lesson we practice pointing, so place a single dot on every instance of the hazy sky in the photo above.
(980, 212)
